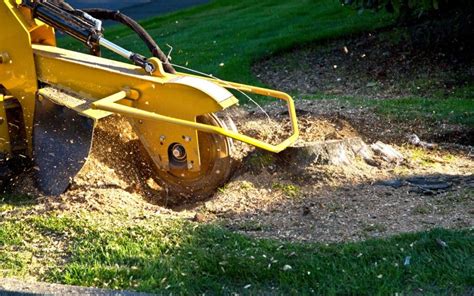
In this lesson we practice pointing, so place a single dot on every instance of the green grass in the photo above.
(158, 255)
(236, 33)
(180, 257)
(450, 110)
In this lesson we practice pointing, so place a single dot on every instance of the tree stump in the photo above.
(339, 152)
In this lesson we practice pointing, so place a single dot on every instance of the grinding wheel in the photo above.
(216, 166)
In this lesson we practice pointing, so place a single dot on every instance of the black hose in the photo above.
(117, 16)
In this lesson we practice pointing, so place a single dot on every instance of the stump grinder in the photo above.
(51, 99)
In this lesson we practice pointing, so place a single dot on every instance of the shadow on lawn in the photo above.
(207, 259)
(17, 200)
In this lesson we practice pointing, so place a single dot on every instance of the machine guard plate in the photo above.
(62, 141)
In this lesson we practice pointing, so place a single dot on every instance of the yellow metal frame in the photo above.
(80, 73)
(163, 97)
(110, 104)
(17, 72)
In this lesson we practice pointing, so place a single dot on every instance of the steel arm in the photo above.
(110, 104)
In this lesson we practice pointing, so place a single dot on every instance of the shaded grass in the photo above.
(455, 109)
(157, 255)
(32, 245)
(8, 201)
(450, 110)
(14, 254)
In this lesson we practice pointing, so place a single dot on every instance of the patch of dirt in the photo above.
(419, 60)
(114, 179)
(268, 198)
(332, 204)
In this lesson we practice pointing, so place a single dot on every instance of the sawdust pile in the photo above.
(115, 172)
(266, 197)
(115, 177)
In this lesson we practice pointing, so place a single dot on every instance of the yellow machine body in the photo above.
(17, 67)
(163, 107)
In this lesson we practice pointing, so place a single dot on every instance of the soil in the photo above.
(270, 198)
(421, 60)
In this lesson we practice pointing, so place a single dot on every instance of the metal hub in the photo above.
(178, 152)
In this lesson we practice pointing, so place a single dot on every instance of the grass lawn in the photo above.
(452, 110)
(154, 254)
(457, 108)
(225, 37)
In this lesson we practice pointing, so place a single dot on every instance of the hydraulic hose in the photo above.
(117, 16)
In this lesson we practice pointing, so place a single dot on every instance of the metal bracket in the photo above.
(110, 104)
